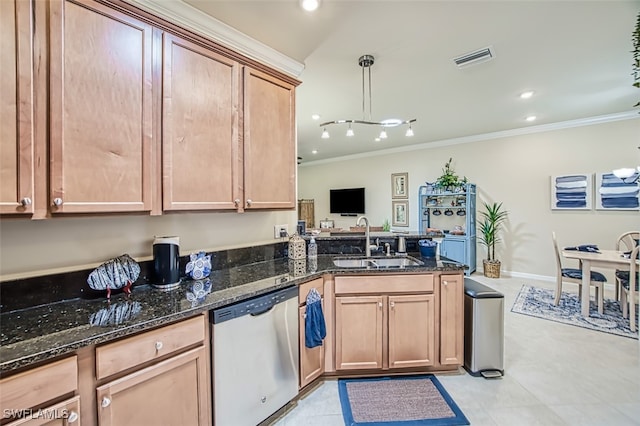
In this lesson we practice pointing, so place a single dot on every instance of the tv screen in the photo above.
(348, 201)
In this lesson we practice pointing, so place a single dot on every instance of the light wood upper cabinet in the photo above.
(200, 135)
(101, 109)
(16, 113)
(451, 319)
(411, 331)
(269, 142)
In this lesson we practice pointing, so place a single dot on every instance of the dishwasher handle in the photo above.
(262, 311)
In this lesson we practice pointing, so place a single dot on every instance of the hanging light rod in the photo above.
(365, 62)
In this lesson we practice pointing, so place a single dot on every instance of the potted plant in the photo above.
(490, 226)
(449, 180)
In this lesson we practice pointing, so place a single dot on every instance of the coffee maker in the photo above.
(166, 262)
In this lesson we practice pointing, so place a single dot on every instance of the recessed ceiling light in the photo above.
(526, 95)
(309, 5)
(531, 118)
(315, 151)
(315, 116)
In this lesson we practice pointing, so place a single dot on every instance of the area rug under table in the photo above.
(538, 302)
(398, 401)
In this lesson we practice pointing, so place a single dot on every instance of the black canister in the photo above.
(166, 262)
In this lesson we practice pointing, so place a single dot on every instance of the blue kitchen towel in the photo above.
(592, 248)
(314, 326)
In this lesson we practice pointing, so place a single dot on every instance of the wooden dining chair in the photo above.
(625, 242)
(628, 301)
(573, 275)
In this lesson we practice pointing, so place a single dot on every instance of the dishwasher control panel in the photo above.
(255, 306)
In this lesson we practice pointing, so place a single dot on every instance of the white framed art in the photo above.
(572, 192)
(400, 213)
(613, 193)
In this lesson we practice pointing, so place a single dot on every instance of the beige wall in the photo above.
(514, 170)
(29, 248)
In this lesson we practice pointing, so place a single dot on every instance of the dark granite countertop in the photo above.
(36, 334)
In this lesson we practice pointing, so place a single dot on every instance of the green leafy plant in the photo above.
(386, 226)
(490, 226)
(449, 180)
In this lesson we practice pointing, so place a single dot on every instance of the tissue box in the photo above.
(427, 248)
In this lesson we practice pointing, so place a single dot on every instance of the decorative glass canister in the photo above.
(297, 247)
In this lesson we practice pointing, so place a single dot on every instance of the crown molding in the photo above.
(205, 25)
(627, 115)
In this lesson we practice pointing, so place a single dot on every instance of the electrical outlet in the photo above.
(280, 231)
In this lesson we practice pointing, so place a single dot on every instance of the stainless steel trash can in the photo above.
(483, 330)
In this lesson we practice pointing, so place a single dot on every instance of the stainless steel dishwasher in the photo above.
(255, 357)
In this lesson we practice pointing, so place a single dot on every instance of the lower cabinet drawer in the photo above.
(389, 284)
(66, 413)
(119, 356)
(35, 387)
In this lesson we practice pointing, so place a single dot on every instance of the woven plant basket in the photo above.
(491, 269)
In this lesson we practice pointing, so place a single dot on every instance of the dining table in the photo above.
(612, 259)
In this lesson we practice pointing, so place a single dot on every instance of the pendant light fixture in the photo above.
(365, 62)
(628, 175)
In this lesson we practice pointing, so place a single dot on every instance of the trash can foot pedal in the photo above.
(491, 374)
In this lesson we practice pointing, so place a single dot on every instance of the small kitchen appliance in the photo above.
(166, 262)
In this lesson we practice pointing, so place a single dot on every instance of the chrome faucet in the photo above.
(367, 243)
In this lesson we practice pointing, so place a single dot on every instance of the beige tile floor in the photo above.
(555, 374)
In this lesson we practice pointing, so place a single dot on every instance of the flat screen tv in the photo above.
(347, 202)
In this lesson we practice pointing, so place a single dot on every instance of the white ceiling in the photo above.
(575, 55)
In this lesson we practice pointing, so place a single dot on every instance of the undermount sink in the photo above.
(376, 262)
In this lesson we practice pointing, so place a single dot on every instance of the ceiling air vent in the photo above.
(479, 56)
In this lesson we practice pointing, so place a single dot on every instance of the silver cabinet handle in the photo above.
(380, 305)
(57, 201)
(159, 345)
(392, 304)
(445, 282)
(249, 203)
(26, 201)
(73, 416)
(106, 401)
(236, 202)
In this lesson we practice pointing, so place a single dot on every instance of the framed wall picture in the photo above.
(326, 224)
(400, 213)
(399, 185)
(613, 193)
(572, 192)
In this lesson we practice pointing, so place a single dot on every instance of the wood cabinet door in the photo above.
(359, 325)
(101, 109)
(453, 249)
(311, 359)
(16, 113)
(172, 392)
(269, 142)
(411, 331)
(451, 319)
(200, 134)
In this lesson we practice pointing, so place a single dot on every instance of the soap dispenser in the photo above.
(312, 249)
(312, 254)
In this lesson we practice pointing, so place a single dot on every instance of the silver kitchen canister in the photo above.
(166, 262)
